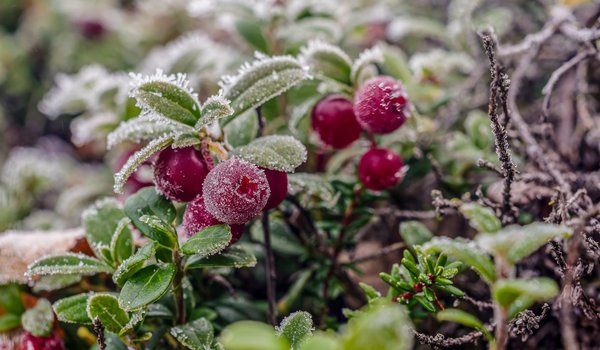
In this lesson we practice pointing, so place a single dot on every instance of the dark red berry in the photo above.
(431, 278)
(380, 105)
(235, 191)
(334, 121)
(407, 295)
(418, 287)
(380, 168)
(278, 183)
(91, 29)
(32, 342)
(196, 218)
(179, 173)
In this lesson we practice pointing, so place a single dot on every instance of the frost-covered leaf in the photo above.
(54, 282)
(73, 309)
(67, 263)
(295, 328)
(251, 335)
(134, 263)
(144, 128)
(146, 286)
(235, 256)
(121, 245)
(481, 218)
(327, 61)
(519, 294)
(465, 251)
(169, 96)
(275, 152)
(366, 59)
(382, 327)
(262, 80)
(517, 242)
(135, 318)
(414, 233)
(242, 129)
(100, 222)
(213, 109)
(196, 335)
(138, 158)
(184, 140)
(163, 233)
(208, 241)
(106, 308)
(464, 318)
(251, 30)
(39, 320)
(150, 203)
(314, 186)
(403, 26)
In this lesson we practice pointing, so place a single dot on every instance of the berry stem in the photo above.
(261, 121)
(205, 151)
(270, 269)
(177, 288)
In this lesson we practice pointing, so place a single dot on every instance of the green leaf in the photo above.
(214, 108)
(164, 233)
(196, 335)
(73, 309)
(450, 289)
(121, 245)
(149, 202)
(242, 130)
(382, 327)
(168, 100)
(414, 233)
(251, 31)
(321, 341)
(143, 128)
(233, 257)
(296, 327)
(275, 152)
(67, 263)
(465, 251)
(39, 320)
(517, 242)
(261, 81)
(10, 299)
(54, 282)
(327, 61)
(519, 294)
(208, 241)
(146, 286)
(251, 335)
(100, 222)
(481, 218)
(464, 318)
(106, 308)
(134, 263)
(9, 321)
(365, 60)
(135, 319)
(313, 185)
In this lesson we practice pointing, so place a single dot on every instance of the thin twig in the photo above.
(99, 330)
(382, 252)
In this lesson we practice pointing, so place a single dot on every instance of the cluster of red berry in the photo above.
(379, 107)
(233, 192)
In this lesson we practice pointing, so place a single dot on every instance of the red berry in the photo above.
(179, 173)
(32, 342)
(91, 29)
(407, 295)
(334, 121)
(278, 183)
(418, 287)
(380, 105)
(196, 218)
(235, 191)
(236, 233)
(380, 168)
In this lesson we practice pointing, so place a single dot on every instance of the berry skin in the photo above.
(380, 168)
(380, 105)
(334, 121)
(179, 173)
(196, 218)
(235, 191)
(32, 342)
(91, 29)
(278, 183)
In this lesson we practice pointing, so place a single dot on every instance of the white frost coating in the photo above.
(85, 128)
(138, 80)
(100, 203)
(145, 127)
(303, 332)
(314, 46)
(138, 158)
(26, 165)
(441, 62)
(367, 57)
(275, 152)
(86, 265)
(213, 109)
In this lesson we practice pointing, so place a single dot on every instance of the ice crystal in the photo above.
(32, 166)
(144, 128)
(319, 47)
(275, 152)
(366, 58)
(213, 109)
(138, 80)
(84, 129)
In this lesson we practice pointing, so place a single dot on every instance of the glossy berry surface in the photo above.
(380, 105)
(196, 218)
(32, 342)
(380, 168)
(334, 121)
(179, 173)
(278, 184)
(235, 191)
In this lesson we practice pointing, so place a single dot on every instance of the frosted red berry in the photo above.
(235, 191)
(196, 218)
(380, 168)
(334, 121)
(278, 184)
(179, 173)
(32, 342)
(90, 28)
(380, 105)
